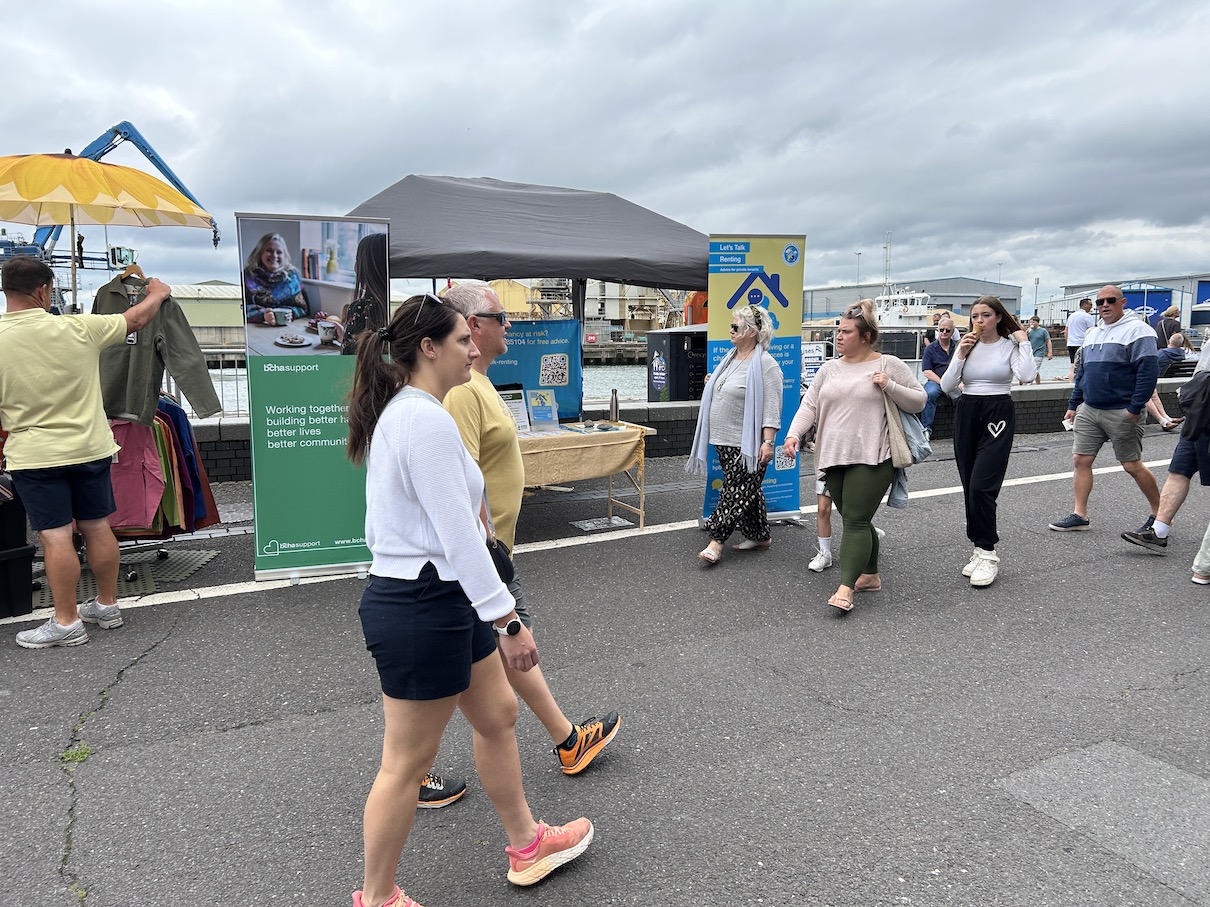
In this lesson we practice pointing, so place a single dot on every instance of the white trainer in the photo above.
(820, 562)
(986, 569)
(970, 568)
(881, 535)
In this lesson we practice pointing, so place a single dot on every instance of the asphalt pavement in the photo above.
(1040, 742)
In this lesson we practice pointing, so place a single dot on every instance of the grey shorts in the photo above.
(1093, 427)
(519, 597)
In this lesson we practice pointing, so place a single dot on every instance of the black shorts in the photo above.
(1071, 353)
(1191, 457)
(424, 635)
(55, 496)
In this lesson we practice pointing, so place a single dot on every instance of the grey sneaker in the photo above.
(1147, 525)
(1146, 538)
(1072, 523)
(108, 616)
(820, 562)
(51, 634)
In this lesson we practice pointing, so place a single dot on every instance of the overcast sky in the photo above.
(1064, 141)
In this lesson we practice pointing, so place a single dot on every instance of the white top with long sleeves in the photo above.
(422, 502)
(989, 368)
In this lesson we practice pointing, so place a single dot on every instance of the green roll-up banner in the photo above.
(308, 498)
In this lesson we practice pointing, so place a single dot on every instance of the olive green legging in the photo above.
(856, 492)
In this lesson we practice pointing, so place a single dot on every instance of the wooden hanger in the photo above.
(132, 271)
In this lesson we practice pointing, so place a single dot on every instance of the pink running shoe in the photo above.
(398, 899)
(556, 845)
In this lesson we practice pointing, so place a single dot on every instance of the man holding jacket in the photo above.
(1115, 375)
(60, 445)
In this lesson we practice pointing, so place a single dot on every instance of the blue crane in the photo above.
(46, 237)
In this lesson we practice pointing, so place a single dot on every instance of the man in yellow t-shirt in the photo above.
(490, 434)
(59, 446)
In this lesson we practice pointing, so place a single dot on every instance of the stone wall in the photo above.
(224, 443)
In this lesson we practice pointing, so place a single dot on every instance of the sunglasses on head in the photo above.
(496, 316)
(423, 300)
(855, 312)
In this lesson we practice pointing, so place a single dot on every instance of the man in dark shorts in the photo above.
(1190, 458)
(60, 446)
(490, 434)
(1078, 323)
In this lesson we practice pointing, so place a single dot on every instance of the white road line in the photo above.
(230, 589)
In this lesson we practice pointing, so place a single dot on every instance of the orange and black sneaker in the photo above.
(590, 738)
(554, 846)
(436, 792)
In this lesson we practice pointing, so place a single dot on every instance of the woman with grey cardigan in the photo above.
(741, 416)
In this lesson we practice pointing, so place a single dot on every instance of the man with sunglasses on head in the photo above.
(1115, 375)
(490, 434)
(935, 361)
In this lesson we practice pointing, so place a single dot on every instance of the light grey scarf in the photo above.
(754, 415)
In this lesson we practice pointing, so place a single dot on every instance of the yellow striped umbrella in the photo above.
(52, 189)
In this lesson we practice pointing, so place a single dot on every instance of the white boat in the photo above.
(905, 308)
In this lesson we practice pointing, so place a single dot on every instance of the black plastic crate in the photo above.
(17, 581)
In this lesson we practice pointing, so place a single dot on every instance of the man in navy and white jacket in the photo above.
(1116, 371)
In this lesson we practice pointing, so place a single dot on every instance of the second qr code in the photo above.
(553, 371)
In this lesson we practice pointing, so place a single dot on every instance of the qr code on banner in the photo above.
(553, 371)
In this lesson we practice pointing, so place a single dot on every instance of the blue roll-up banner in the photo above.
(545, 355)
(765, 271)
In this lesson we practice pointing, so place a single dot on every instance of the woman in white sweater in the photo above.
(994, 352)
(852, 446)
(434, 606)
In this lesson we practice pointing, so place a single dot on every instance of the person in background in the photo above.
(1189, 458)
(60, 444)
(994, 352)
(1173, 353)
(932, 367)
(371, 291)
(489, 432)
(434, 606)
(740, 415)
(1168, 325)
(1115, 377)
(1040, 345)
(1078, 323)
(271, 282)
(845, 406)
(823, 525)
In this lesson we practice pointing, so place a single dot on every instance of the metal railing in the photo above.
(229, 375)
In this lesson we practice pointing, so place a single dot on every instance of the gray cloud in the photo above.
(1029, 139)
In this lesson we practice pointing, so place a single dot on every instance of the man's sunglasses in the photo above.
(1108, 300)
(497, 316)
(945, 330)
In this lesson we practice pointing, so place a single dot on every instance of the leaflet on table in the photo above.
(543, 410)
(515, 401)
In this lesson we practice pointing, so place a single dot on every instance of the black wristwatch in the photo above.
(512, 628)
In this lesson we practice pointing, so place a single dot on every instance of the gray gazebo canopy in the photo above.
(447, 226)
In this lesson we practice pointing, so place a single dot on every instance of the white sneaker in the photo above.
(820, 562)
(881, 535)
(970, 568)
(986, 569)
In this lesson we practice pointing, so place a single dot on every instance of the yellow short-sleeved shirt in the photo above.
(490, 434)
(50, 392)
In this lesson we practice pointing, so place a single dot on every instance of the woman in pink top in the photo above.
(852, 446)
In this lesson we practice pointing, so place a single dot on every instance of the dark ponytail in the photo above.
(385, 361)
